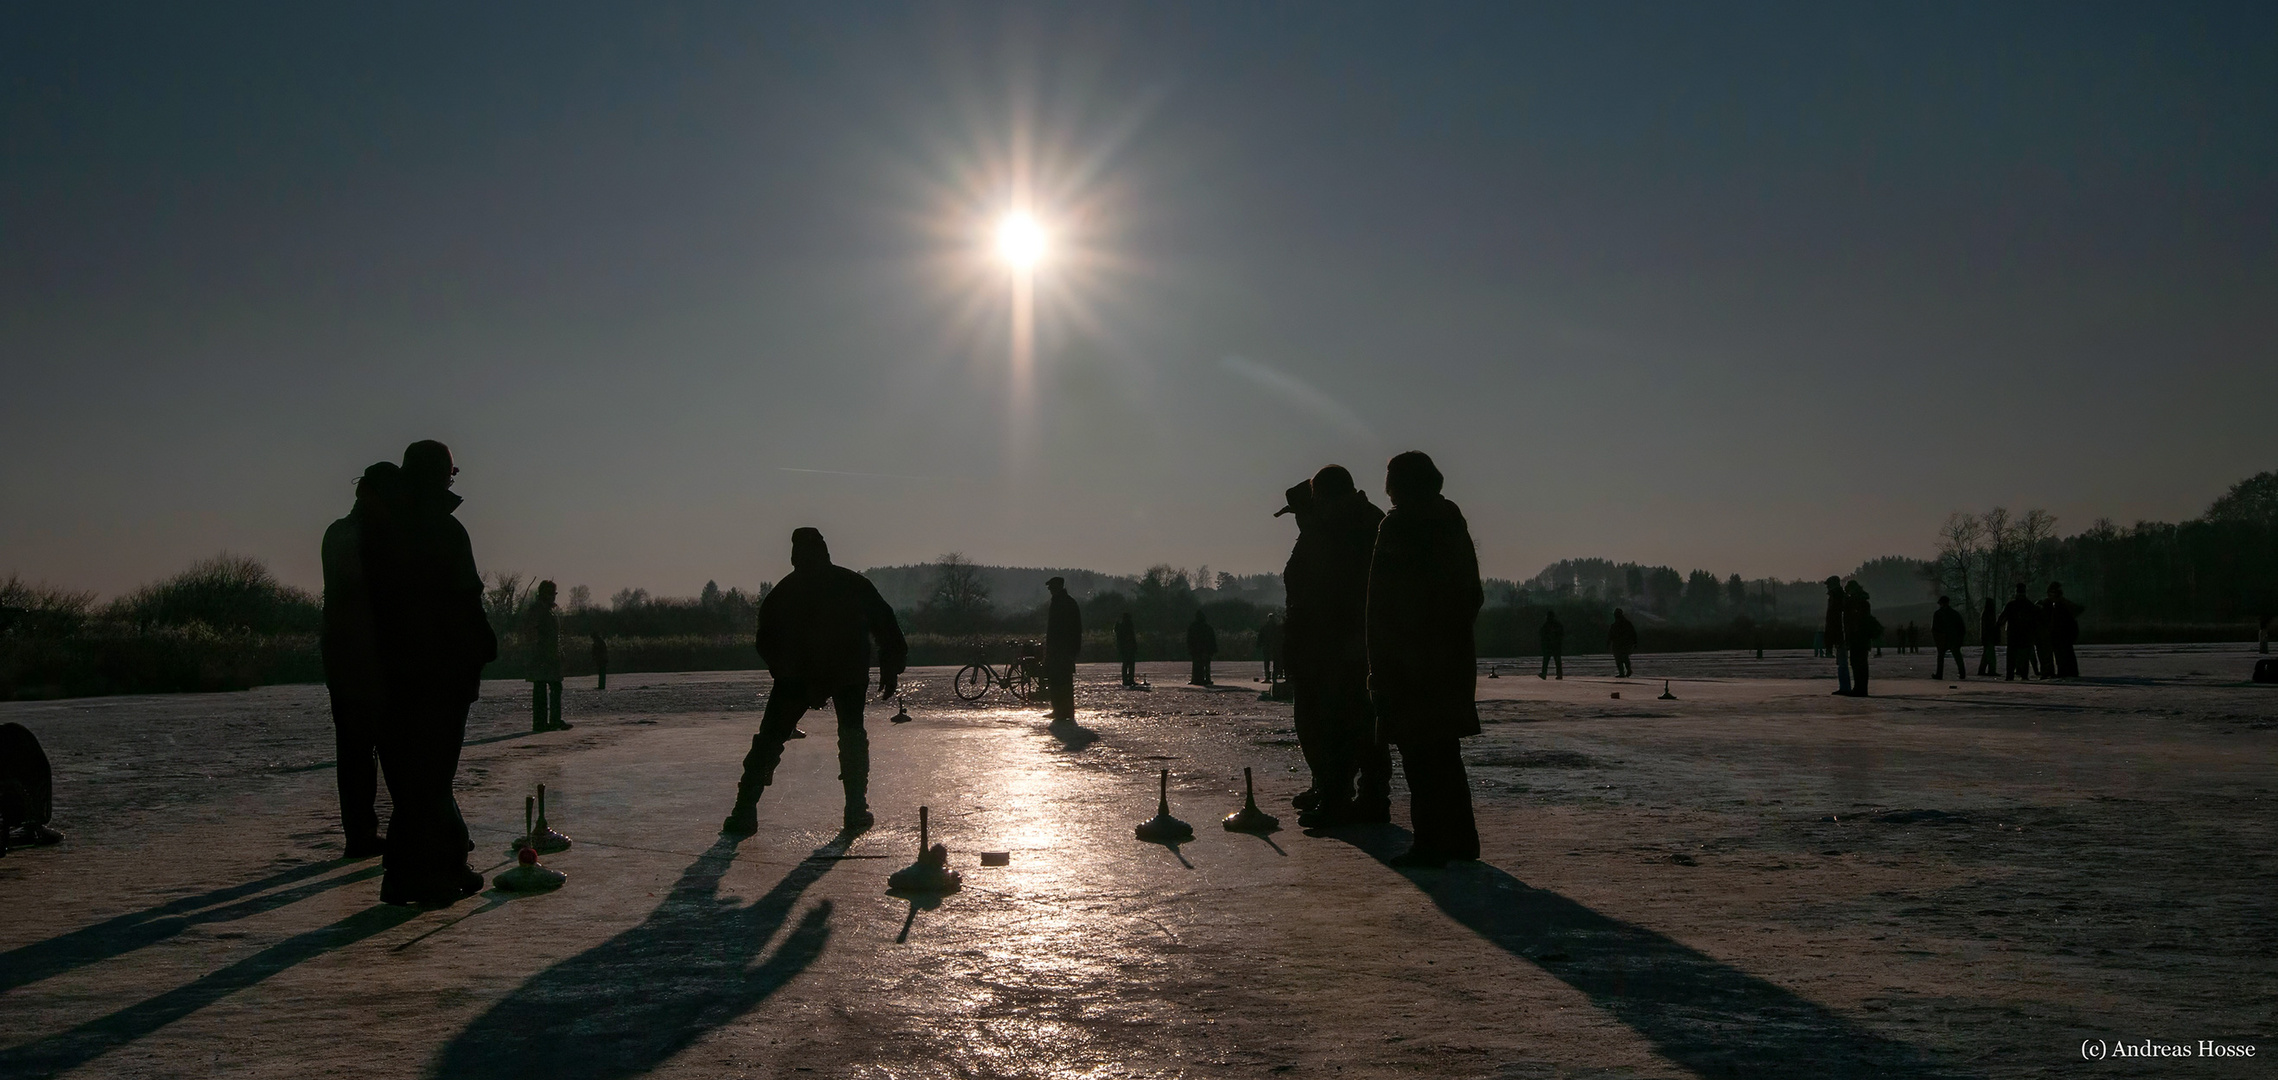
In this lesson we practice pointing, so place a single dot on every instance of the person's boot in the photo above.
(1306, 799)
(858, 816)
(743, 819)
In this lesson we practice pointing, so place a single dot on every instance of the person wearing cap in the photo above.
(815, 633)
(1063, 641)
(1269, 648)
(1201, 645)
(1127, 648)
(433, 640)
(350, 649)
(2019, 616)
(1424, 597)
(1325, 645)
(1946, 633)
(1621, 638)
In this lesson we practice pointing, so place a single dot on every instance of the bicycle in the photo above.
(1022, 678)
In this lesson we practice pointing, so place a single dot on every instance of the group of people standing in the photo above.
(2041, 635)
(404, 643)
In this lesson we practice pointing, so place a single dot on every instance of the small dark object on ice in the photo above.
(538, 835)
(1617, 695)
(1665, 694)
(996, 858)
(1683, 859)
(1163, 828)
(931, 873)
(901, 711)
(1249, 819)
(529, 875)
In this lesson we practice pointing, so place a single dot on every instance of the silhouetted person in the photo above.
(1833, 629)
(1553, 636)
(815, 631)
(1947, 632)
(2262, 634)
(542, 659)
(350, 647)
(2020, 617)
(1127, 648)
(1621, 637)
(27, 793)
(1063, 640)
(1860, 629)
(1269, 646)
(1201, 645)
(1423, 597)
(1326, 645)
(2061, 629)
(1988, 636)
(433, 642)
(600, 661)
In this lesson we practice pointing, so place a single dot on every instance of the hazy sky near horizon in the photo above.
(1766, 289)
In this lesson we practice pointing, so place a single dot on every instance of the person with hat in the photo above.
(352, 663)
(1946, 633)
(815, 633)
(1424, 597)
(1063, 641)
(433, 639)
(1201, 645)
(1325, 643)
(2020, 616)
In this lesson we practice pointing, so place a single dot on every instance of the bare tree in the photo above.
(1959, 567)
(960, 600)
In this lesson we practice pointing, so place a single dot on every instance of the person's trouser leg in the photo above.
(1201, 674)
(1985, 665)
(2068, 662)
(554, 703)
(427, 837)
(1367, 759)
(1315, 722)
(1859, 671)
(601, 678)
(2020, 662)
(1842, 670)
(356, 768)
(537, 705)
(853, 749)
(1130, 672)
(786, 703)
(1439, 798)
(1063, 693)
(1558, 661)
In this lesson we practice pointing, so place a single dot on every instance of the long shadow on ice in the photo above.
(1698, 1011)
(626, 1006)
(123, 934)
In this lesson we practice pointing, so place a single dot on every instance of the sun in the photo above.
(1020, 241)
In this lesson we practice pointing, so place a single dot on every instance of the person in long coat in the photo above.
(1989, 635)
(1063, 640)
(1553, 636)
(1424, 598)
(1861, 630)
(1833, 629)
(1201, 645)
(1946, 633)
(350, 647)
(433, 641)
(542, 659)
(1326, 645)
(815, 632)
(1621, 637)
(2063, 618)
(2020, 617)
(1127, 648)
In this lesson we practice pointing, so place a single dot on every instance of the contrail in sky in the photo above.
(842, 472)
(1301, 395)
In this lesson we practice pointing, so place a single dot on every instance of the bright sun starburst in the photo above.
(1020, 241)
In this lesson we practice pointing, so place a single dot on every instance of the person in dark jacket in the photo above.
(1833, 629)
(1063, 640)
(1988, 635)
(1326, 644)
(433, 641)
(1860, 631)
(2062, 618)
(542, 659)
(1947, 631)
(27, 790)
(1269, 647)
(2020, 617)
(1621, 637)
(350, 648)
(1423, 598)
(1553, 636)
(600, 660)
(1127, 648)
(815, 632)
(1201, 645)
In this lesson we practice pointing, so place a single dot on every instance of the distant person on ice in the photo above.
(1860, 631)
(600, 661)
(352, 660)
(1833, 630)
(1326, 642)
(1988, 635)
(1947, 631)
(1127, 648)
(27, 790)
(1423, 597)
(433, 642)
(1553, 646)
(2062, 625)
(1063, 640)
(1201, 645)
(815, 633)
(2020, 617)
(1621, 637)
(542, 659)
(1269, 646)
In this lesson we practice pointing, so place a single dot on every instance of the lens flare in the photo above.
(1020, 241)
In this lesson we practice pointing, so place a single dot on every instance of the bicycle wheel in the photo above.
(1022, 686)
(972, 681)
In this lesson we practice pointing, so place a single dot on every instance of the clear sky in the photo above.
(1757, 289)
